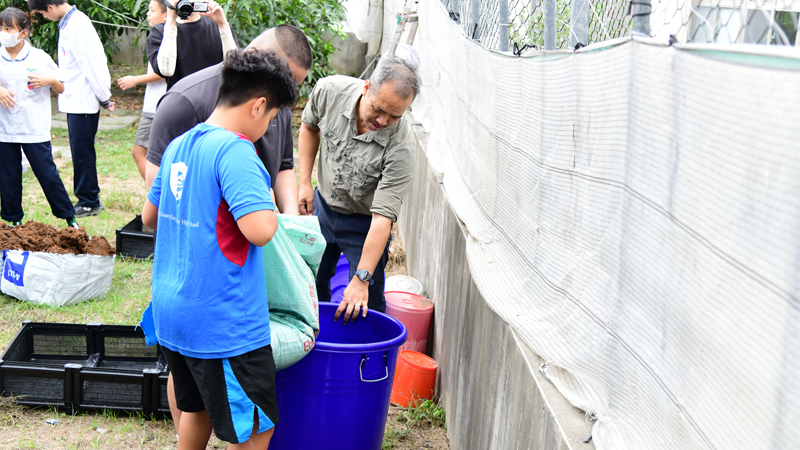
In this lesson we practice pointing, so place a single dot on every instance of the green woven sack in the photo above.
(291, 261)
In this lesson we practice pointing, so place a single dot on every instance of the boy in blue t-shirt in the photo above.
(212, 207)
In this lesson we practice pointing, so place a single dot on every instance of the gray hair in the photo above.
(401, 72)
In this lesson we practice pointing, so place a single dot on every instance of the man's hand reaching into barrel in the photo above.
(356, 298)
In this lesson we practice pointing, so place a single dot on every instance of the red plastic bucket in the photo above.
(415, 312)
(414, 379)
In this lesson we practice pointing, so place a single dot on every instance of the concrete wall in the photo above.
(488, 381)
(130, 52)
(348, 59)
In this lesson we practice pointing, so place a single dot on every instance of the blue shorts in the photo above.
(234, 391)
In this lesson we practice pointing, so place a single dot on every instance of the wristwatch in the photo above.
(364, 275)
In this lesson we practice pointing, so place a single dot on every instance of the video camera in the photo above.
(185, 8)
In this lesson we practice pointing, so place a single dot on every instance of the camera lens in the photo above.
(184, 8)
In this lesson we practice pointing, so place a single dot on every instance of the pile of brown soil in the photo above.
(38, 237)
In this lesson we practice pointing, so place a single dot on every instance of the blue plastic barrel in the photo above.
(340, 279)
(337, 397)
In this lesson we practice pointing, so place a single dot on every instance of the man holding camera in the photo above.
(205, 37)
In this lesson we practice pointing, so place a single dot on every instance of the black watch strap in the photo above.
(364, 275)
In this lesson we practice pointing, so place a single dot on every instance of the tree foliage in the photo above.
(115, 16)
(319, 19)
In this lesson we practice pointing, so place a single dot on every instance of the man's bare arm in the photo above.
(151, 170)
(150, 214)
(307, 148)
(356, 295)
(286, 192)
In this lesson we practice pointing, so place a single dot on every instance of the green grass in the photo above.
(407, 426)
(427, 413)
(122, 194)
(60, 137)
(124, 303)
(122, 188)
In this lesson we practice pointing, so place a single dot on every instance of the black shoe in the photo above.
(83, 211)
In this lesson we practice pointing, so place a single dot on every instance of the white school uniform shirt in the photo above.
(152, 94)
(82, 64)
(29, 121)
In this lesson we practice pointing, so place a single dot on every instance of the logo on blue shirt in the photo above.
(176, 178)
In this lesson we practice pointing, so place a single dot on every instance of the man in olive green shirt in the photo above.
(365, 165)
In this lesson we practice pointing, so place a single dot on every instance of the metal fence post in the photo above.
(549, 24)
(475, 29)
(640, 14)
(453, 7)
(503, 25)
(579, 23)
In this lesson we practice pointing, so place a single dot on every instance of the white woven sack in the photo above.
(57, 280)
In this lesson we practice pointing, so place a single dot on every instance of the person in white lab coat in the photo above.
(83, 69)
(26, 76)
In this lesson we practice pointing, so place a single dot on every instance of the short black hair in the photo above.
(162, 5)
(15, 17)
(41, 5)
(294, 44)
(251, 73)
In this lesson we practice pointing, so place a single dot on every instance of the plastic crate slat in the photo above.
(56, 362)
(28, 388)
(128, 346)
(111, 393)
(45, 344)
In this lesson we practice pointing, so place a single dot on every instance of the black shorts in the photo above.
(232, 391)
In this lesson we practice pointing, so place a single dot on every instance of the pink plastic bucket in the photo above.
(416, 313)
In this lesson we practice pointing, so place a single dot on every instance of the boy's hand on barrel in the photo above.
(356, 298)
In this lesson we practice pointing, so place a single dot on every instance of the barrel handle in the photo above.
(361, 367)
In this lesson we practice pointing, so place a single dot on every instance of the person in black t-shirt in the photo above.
(192, 100)
(178, 47)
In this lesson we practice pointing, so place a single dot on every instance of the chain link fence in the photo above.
(542, 24)
(769, 22)
(515, 25)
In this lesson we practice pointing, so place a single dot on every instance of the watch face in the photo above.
(363, 275)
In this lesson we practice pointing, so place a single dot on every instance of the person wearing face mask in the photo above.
(26, 77)
(365, 165)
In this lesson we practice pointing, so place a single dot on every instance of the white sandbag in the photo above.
(57, 280)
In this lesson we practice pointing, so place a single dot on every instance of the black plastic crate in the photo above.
(92, 366)
(133, 241)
